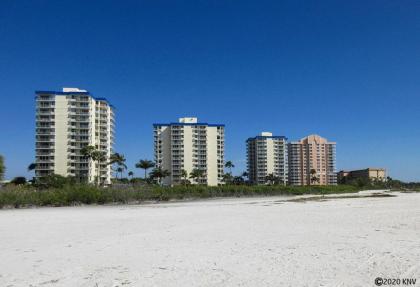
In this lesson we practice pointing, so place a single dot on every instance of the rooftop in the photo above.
(72, 91)
(267, 135)
(188, 121)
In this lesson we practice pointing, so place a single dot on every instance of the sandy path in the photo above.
(227, 242)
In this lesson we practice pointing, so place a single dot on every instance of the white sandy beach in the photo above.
(223, 242)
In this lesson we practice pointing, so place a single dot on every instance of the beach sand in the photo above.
(221, 242)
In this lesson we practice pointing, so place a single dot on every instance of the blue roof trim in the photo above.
(73, 93)
(61, 93)
(267, 137)
(190, 124)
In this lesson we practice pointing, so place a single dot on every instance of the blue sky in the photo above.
(347, 70)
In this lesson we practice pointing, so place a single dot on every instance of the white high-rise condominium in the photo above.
(66, 122)
(188, 145)
(312, 161)
(267, 155)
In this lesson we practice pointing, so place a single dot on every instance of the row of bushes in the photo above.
(67, 195)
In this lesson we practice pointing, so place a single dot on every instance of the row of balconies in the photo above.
(45, 104)
(45, 124)
(78, 132)
(41, 121)
(200, 166)
(177, 138)
(44, 146)
(78, 119)
(78, 98)
(44, 161)
(45, 131)
(78, 104)
(78, 125)
(45, 140)
(45, 111)
(177, 147)
(45, 98)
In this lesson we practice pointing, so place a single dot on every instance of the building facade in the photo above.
(267, 154)
(374, 174)
(66, 122)
(188, 145)
(312, 161)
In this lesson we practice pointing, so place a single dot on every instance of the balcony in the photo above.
(45, 140)
(44, 167)
(45, 99)
(45, 133)
(44, 147)
(44, 113)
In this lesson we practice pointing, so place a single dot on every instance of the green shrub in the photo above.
(54, 181)
(19, 180)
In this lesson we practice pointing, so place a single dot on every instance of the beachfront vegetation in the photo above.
(56, 190)
(61, 191)
(389, 183)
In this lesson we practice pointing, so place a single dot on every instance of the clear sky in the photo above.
(346, 70)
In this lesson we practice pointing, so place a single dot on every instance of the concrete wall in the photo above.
(212, 178)
(61, 139)
(188, 149)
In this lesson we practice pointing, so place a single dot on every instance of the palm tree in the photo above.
(120, 170)
(313, 178)
(245, 174)
(197, 174)
(229, 165)
(184, 176)
(271, 178)
(159, 174)
(100, 157)
(2, 167)
(227, 178)
(87, 152)
(119, 160)
(238, 180)
(145, 164)
(131, 174)
(32, 166)
(90, 152)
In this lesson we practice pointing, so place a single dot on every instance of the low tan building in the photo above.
(378, 174)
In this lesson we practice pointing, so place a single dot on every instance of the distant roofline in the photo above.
(298, 142)
(188, 124)
(60, 93)
(267, 137)
(364, 169)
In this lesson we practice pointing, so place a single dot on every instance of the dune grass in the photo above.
(68, 195)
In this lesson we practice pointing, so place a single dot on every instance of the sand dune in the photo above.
(223, 242)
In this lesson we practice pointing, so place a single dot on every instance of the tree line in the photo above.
(117, 161)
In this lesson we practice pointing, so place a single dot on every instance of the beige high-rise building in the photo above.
(312, 161)
(267, 154)
(66, 122)
(188, 145)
